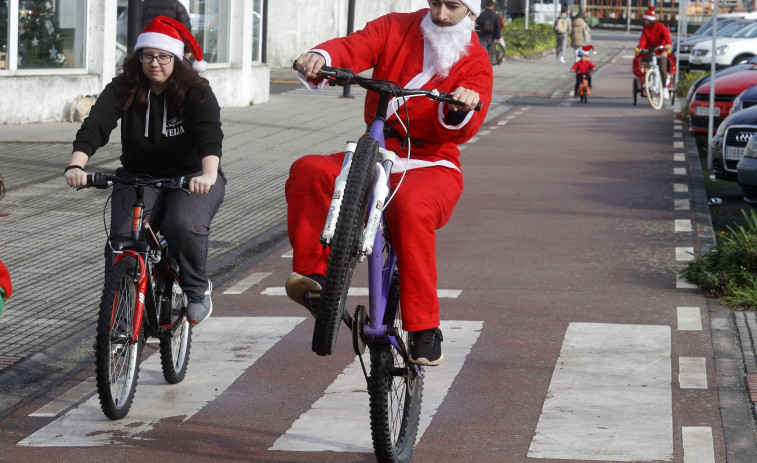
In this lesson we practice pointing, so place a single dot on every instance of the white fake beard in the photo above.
(448, 44)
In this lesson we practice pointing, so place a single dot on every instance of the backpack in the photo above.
(561, 27)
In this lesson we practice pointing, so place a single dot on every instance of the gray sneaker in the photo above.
(200, 307)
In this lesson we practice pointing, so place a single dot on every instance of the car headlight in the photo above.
(736, 104)
(722, 50)
(717, 140)
(751, 148)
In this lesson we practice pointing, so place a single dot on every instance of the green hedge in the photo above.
(537, 38)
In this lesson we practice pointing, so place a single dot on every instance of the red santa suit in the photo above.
(653, 36)
(394, 46)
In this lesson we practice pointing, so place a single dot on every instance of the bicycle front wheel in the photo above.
(345, 246)
(175, 345)
(396, 392)
(653, 85)
(116, 356)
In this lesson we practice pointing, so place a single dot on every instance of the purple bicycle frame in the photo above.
(379, 272)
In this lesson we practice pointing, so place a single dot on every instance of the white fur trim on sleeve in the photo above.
(453, 127)
(311, 86)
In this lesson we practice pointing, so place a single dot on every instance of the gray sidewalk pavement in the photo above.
(51, 237)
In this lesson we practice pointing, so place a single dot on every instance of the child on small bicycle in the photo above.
(582, 67)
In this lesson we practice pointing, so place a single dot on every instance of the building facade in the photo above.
(51, 51)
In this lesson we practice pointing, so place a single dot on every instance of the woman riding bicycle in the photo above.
(170, 126)
(583, 68)
(451, 61)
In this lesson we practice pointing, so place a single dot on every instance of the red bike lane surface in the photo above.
(566, 221)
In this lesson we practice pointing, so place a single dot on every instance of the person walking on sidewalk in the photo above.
(579, 33)
(170, 127)
(488, 28)
(562, 29)
(430, 48)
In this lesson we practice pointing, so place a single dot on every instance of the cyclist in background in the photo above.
(434, 48)
(170, 127)
(653, 35)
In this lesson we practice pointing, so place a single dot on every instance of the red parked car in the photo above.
(727, 88)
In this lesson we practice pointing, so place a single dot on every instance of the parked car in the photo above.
(745, 99)
(727, 87)
(751, 63)
(729, 27)
(730, 141)
(747, 171)
(728, 52)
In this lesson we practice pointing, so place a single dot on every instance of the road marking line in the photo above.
(689, 319)
(692, 373)
(358, 291)
(683, 283)
(222, 349)
(67, 399)
(502, 123)
(679, 157)
(679, 171)
(339, 420)
(680, 188)
(684, 254)
(682, 204)
(245, 284)
(484, 132)
(677, 144)
(510, 117)
(683, 225)
(289, 254)
(697, 444)
(610, 390)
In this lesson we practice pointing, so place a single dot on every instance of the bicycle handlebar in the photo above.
(342, 77)
(102, 181)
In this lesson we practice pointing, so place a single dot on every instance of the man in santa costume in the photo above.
(654, 35)
(431, 48)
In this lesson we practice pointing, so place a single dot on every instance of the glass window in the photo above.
(4, 15)
(257, 30)
(210, 26)
(51, 34)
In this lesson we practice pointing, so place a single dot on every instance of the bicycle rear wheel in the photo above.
(653, 85)
(175, 345)
(345, 246)
(396, 392)
(116, 357)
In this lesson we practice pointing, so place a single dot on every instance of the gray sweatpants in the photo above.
(184, 219)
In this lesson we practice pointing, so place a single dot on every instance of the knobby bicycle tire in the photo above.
(174, 349)
(345, 246)
(116, 358)
(396, 393)
(653, 86)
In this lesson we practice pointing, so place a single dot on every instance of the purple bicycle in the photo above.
(355, 229)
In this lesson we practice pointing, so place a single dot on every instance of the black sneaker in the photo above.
(426, 347)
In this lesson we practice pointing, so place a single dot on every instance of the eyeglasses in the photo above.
(162, 59)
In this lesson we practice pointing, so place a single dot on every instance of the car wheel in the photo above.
(741, 59)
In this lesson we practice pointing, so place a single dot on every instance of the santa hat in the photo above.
(588, 48)
(168, 34)
(473, 5)
(650, 14)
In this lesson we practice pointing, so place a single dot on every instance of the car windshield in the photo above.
(734, 28)
(747, 32)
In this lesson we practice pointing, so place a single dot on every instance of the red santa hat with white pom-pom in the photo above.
(650, 14)
(170, 35)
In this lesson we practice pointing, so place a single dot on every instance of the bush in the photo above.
(537, 38)
(729, 270)
(685, 80)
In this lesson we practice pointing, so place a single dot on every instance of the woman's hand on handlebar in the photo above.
(202, 184)
(309, 64)
(469, 98)
(75, 178)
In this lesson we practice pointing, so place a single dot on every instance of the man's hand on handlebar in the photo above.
(309, 64)
(469, 98)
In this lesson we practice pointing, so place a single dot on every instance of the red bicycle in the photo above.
(141, 298)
